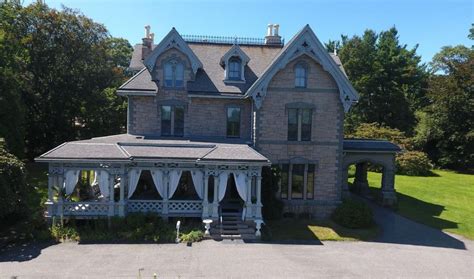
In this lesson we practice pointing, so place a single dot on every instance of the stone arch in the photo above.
(361, 186)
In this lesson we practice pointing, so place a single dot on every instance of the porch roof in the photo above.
(131, 148)
(370, 145)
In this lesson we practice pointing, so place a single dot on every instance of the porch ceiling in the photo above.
(127, 148)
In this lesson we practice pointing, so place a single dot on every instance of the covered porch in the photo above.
(117, 175)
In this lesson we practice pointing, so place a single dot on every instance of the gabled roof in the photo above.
(235, 50)
(172, 40)
(305, 42)
(140, 83)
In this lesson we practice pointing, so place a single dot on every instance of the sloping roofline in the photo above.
(304, 42)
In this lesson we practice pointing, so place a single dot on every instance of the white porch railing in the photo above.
(91, 208)
(155, 206)
(185, 206)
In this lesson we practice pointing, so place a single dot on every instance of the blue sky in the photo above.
(431, 24)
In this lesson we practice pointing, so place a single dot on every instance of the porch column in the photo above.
(60, 179)
(123, 182)
(164, 210)
(215, 201)
(360, 181)
(259, 197)
(389, 196)
(344, 183)
(50, 202)
(111, 195)
(248, 202)
(205, 202)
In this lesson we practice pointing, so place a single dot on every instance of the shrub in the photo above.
(192, 236)
(380, 132)
(353, 214)
(414, 163)
(13, 188)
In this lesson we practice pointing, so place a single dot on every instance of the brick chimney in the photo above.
(273, 37)
(147, 45)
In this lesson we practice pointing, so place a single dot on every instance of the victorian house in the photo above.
(205, 115)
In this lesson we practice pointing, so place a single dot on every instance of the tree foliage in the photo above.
(389, 77)
(70, 69)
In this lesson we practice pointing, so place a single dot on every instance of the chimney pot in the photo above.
(270, 30)
(275, 28)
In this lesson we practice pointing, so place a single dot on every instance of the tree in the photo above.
(71, 68)
(389, 77)
(446, 127)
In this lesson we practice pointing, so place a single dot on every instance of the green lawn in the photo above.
(301, 229)
(444, 200)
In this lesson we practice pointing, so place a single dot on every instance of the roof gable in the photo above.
(305, 42)
(235, 50)
(172, 40)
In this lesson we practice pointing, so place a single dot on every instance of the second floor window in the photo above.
(172, 121)
(299, 124)
(235, 69)
(300, 76)
(233, 122)
(174, 74)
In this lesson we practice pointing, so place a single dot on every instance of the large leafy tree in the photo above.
(446, 126)
(71, 69)
(389, 77)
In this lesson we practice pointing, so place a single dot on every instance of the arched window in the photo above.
(235, 68)
(300, 76)
(174, 74)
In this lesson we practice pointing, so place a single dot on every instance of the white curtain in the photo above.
(175, 175)
(222, 184)
(96, 174)
(241, 184)
(70, 181)
(157, 176)
(133, 177)
(104, 183)
(198, 182)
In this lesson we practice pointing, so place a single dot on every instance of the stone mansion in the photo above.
(205, 115)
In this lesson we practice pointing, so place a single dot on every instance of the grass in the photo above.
(444, 200)
(307, 230)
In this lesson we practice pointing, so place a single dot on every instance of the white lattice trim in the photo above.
(185, 206)
(145, 206)
(85, 208)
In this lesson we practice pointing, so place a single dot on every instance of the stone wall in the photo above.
(325, 147)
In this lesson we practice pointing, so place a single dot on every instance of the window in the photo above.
(233, 122)
(284, 181)
(174, 74)
(300, 76)
(297, 181)
(172, 121)
(299, 124)
(235, 69)
(310, 182)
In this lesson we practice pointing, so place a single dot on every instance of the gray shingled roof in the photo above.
(369, 145)
(126, 147)
(210, 79)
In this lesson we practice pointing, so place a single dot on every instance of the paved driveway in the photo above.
(405, 249)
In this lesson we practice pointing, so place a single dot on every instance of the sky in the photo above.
(430, 24)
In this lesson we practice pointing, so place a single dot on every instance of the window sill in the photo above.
(234, 81)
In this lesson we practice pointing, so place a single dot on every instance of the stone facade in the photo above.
(325, 147)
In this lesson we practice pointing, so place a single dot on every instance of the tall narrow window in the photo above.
(174, 74)
(299, 124)
(235, 69)
(233, 122)
(297, 181)
(284, 181)
(310, 182)
(172, 121)
(300, 76)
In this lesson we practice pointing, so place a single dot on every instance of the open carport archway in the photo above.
(360, 153)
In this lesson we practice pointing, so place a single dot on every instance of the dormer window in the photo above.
(235, 68)
(174, 74)
(234, 62)
(301, 76)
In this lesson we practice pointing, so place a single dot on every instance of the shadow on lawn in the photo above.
(423, 228)
(23, 252)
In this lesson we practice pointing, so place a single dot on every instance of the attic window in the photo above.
(174, 74)
(235, 68)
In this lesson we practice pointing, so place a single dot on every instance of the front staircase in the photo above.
(230, 224)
